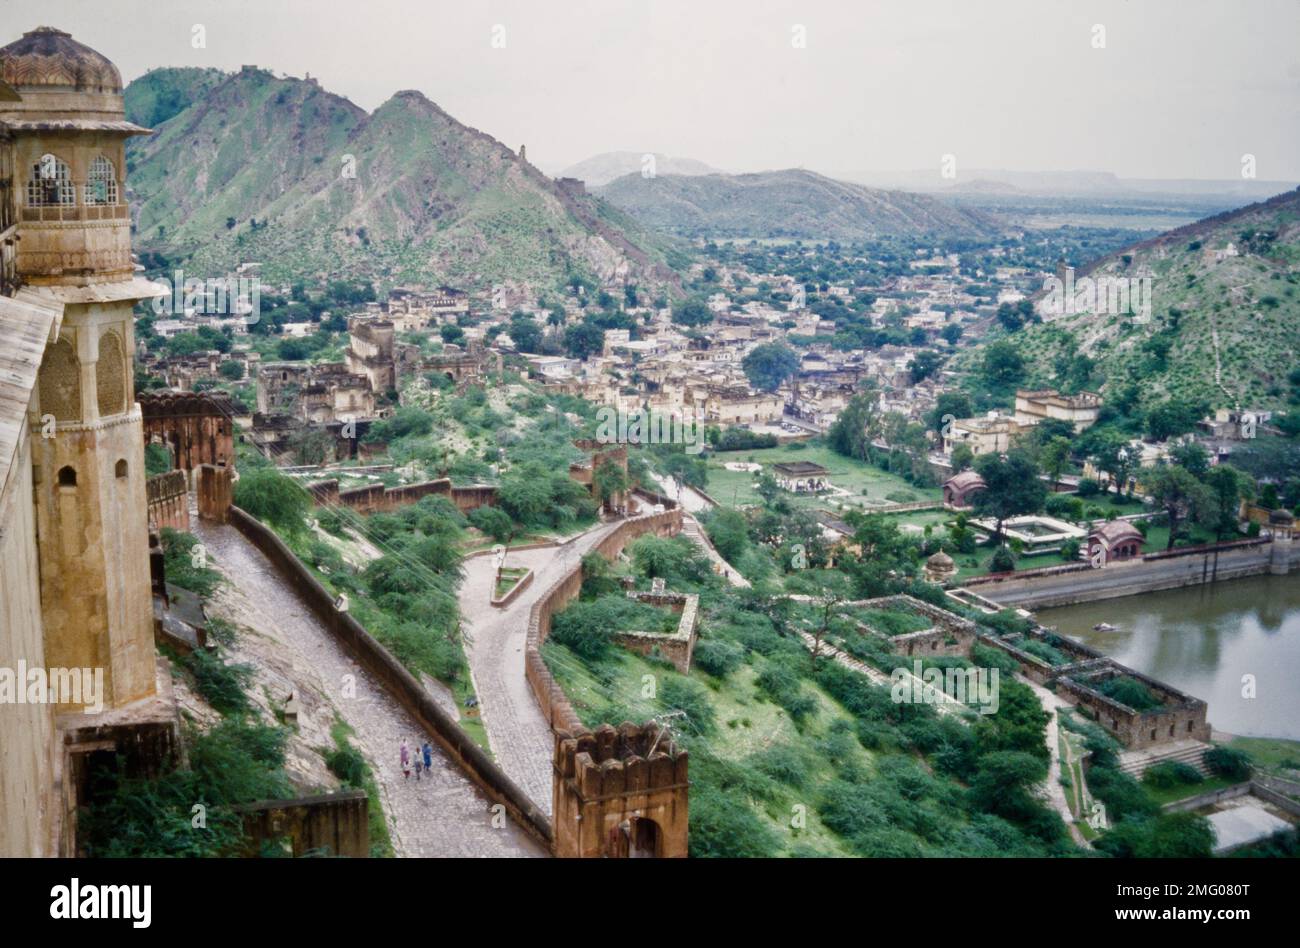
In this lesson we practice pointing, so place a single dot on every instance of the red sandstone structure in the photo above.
(620, 793)
(199, 429)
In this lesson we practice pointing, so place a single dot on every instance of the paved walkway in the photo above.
(443, 814)
(517, 732)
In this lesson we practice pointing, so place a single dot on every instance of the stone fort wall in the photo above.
(550, 697)
(29, 817)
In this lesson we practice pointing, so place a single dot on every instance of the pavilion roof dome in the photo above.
(49, 57)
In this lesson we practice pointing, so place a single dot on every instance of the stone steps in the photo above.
(1136, 763)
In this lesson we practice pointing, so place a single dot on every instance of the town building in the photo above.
(1034, 406)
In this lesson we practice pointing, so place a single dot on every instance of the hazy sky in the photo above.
(1183, 88)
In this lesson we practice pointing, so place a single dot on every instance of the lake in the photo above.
(1203, 640)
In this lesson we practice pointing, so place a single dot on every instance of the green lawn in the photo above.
(1163, 795)
(868, 486)
(1270, 753)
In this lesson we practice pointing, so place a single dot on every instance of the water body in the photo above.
(1203, 640)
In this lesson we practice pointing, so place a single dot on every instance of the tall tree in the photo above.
(1182, 496)
(1012, 487)
(1054, 458)
(770, 364)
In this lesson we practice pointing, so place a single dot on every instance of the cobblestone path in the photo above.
(444, 813)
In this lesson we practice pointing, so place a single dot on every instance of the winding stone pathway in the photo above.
(517, 731)
(444, 813)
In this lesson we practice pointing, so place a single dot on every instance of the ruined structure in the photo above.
(601, 454)
(677, 646)
(74, 548)
(620, 793)
(199, 428)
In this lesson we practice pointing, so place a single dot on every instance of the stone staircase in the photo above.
(1135, 762)
(692, 531)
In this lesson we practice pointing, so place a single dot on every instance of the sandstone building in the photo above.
(74, 560)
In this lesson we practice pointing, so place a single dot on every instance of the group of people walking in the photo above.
(422, 757)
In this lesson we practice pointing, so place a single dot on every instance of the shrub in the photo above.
(221, 685)
(1228, 762)
(493, 521)
(718, 657)
(183, 567)
(1088, 487)
(1003, 561)
(784, 763)
(1129, 691)
(720, 827)
(271, 497)
(684, 694)
(1171, 773)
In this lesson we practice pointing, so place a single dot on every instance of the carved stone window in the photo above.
(60, 382)
(50, 184)
(101, 184)
(110, 375)
(120, 469)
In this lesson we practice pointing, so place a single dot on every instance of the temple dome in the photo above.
(50, 57)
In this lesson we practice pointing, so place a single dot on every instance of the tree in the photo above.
(924, 364)
(1229, 487)
(271, 497)
(1173, 418)
(525, 333)
(607, 480)
(1182, 496)
(231, 370)
(583, 340)
(770, 364)
(451, 333)
(1012, 487)
(692, 312)
(854, 427)
(1113, 456)
(1054, 458)
(962, 457)
(949, 406)
(1003, 366)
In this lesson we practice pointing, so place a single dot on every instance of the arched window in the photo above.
(120, 469)
(101, 183)
(67, 477)
(50, 184)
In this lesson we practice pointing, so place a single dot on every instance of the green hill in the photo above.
(254, 168)
(792, 203)
(1223, 329)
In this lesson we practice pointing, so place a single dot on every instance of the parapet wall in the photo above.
(377, 497)
(332, 824)
(396, 679)
(168, 499)
(550, 697)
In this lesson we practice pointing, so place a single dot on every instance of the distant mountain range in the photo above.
(1224, 322)
(792, 203)
(250, 167)
(1067, 183)
(601, 169)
